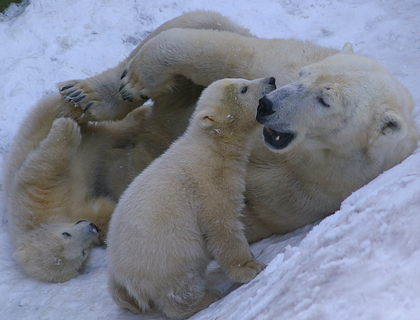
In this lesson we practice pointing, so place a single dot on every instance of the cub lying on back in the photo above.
(184, 208)
(53, 213)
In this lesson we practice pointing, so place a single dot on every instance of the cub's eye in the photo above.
(244, 89)
(66, 235)
(322, 101)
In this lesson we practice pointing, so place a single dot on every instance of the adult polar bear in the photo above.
(339, 126)
(285, 190)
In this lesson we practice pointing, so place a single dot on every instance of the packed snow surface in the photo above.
(363, 262)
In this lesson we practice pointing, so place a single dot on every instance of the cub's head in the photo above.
(347, 103)
(56, 252)
(229, 106)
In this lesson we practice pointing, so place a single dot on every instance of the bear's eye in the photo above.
(322, 101)
(66, 235)
(244, 89)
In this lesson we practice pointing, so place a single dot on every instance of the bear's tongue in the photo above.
(273, 133)
(277, 140)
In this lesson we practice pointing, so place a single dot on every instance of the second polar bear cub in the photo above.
(183, 209)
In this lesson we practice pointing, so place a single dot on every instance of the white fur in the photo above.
(284, 190)
(183, 209)
(336, 151)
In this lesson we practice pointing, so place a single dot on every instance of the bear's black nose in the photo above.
(94, 227)
(272, 81)
(265, 107)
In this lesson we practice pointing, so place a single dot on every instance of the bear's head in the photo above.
(229, 106)
(56, 251)
(346, 103)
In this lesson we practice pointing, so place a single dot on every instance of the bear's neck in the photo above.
(231, 150)
(216, 164)
(230, 145)
(342, 172)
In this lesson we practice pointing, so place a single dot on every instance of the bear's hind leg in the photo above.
(188, 297)
(185, 309)
(121, 296)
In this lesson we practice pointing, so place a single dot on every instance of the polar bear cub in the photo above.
(183, 209)
(54, 213)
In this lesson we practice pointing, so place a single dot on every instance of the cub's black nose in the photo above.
(265, 107)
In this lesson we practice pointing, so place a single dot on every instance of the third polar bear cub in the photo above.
(183, 209)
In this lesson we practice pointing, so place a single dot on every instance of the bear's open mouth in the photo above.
(277, 140)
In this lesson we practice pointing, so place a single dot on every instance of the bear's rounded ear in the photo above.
(392, 126)
(348, 48)
(206, 118)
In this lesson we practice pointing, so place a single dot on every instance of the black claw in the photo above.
(121, 87)
(124, 73)
(126, 96)
(68, 95)
(80, 99)
(74, 95)
(144, 97)
(66, 87)
(89, 105)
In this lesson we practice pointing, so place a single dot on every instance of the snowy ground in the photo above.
(363, 262)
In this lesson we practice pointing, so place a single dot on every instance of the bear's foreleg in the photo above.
(121, 296)
(203, 56)
(41, 186)
(227, 242)
(98, 97)
(32, 132)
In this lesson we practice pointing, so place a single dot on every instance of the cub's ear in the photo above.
(392, 126)
(206, 118)
(348, 48)
(22, 254)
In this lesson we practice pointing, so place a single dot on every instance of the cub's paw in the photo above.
(138, 116)
(65, 130)
(246, 272)
(80, 94)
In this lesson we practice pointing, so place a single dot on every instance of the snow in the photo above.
(360, 263)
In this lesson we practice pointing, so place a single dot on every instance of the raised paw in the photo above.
(145, 77)
(138, 116)
(65, 130)
(246, 272)
(130, 88)
(80, 94)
